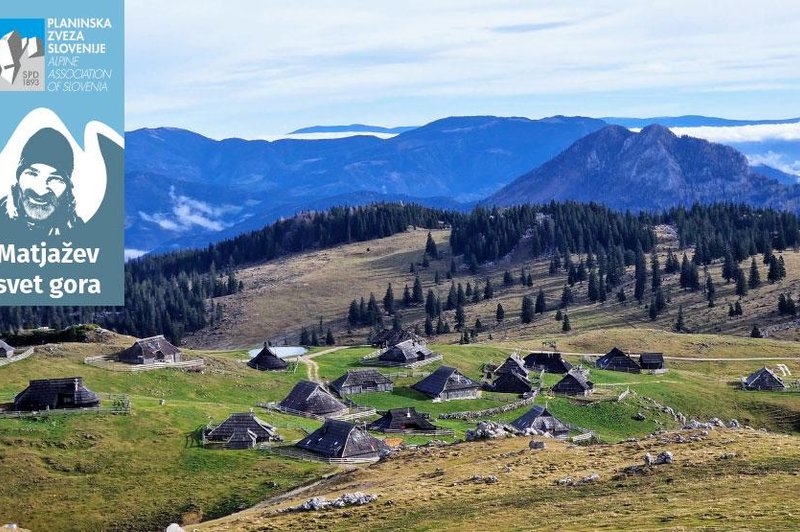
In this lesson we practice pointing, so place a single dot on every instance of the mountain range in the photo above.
(186, 190)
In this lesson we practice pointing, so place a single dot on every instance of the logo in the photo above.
(22, 55)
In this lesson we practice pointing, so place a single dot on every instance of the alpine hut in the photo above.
(390, 338)
(151, 350)
(574, 383)
(513, 364)
(242, 431)
(540, 418)
(267, 360)
(448, 383)
(763, 379)
(617, 360)
(549, 362)
(402, 420)
(312, 399)
(406, 353)
(362, 381)
(651, 361)
(339, 439)
(6, 351)
(44, 394)
(511, 382)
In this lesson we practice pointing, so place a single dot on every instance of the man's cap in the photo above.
(48, 146)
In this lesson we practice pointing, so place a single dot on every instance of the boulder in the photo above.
(536, 445)
(664, 458)
(648, 459)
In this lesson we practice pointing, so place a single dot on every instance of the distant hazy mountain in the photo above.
(691, 121)
(181, 185)
(353, 128)
(652, 169)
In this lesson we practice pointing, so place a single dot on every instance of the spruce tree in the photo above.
(430, 304)
(640, 275)
(305, 339)
(566, 297)
(460, 317)
(541, 303)
(653, 309)
(314, 337)
(406, 297)
(388, 300)
(559, 315)
(592, 290)
(621, 297)
(527, 312)
(488, 291)
(452, 297)
(476, 293)
(737, 308)
(655, 275)
(329, 338)
(428, 326)
(754, 280)
(741, 283)
(508, 279)
(500, 314)
(353, 316)
(430, 247)
(416, 294)
(679, 324)
(565, 325)
(755, 332)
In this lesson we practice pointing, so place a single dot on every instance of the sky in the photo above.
(261, 68)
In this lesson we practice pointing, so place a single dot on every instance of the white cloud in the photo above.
(777, 161)
(189, 213)
(132, 253)
(734, 134)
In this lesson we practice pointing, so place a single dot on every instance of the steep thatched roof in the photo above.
(4, 347)
(617, 360)
(311, 398)
(444, 379)
(402, 419)
(360, 377)
(540, 418)
(574, 378)
(267, 360)
(549, 362)
(340, 439)
(149, 348)
(243, 425)
(56, 393)
(764, 378)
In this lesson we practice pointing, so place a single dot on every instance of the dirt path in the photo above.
(313, 367)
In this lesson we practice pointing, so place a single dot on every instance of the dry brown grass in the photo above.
(430, 489)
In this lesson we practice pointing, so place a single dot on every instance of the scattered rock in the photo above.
(536, 445)
(639, 416)
(174, 527)
(566, 481)
(727, 456)
(648, 459)
(734, 424)
(321, 503)
(664, 458)
(594, 477)
(489, 430)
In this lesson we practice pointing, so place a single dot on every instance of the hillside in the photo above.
(727, 480)
(281, 297)
(652, 169)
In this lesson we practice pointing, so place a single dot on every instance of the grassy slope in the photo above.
(284, 295)
(430, 490)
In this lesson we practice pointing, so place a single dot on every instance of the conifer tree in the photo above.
(527, 313)
(430, 247)
(500, 314)
(428, 326)
(737, 308)
(754, 280)
(460, 317)
(406, 297)
(621, 297)
(566, 297)
(559, 315)
(741, 283)
(305, 339)
(541, 303)
(425, 261)
(640, 275)
(430, 304)
(755, 332)
(679, 324)
(592, 290)
(416, 295)
(488, 291)
(388, 300)
(452, 297)
(565, 325)
(508, 279)
(329, 338)
(655, 272)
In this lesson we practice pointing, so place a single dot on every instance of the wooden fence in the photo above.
(352, 413)
(372, 360)
(22, 356)
(469, 415)
(111, 363)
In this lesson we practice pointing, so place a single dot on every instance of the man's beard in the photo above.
(38, 208)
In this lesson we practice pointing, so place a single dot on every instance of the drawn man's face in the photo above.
(41, 188)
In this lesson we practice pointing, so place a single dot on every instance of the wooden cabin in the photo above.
(44, 394)
(310, 398)
(361, 381)
(340, 439)
(6, 351)
(574, 383)
(549, 362)
(617, 360)
(540, 418)
(267, 360)
(764, 379)
(448, 383)
(150, 351)
(407, 352)
(242, 431)
(402, 420)
(651, 361)
(512, 382)
(390, 338)
(512, 364)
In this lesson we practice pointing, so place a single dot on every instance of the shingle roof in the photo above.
(267, 360)
(540, 418)
(42, 393)
(513, 363)
(149, 348)
(616, 358)
(763, 374)
(4, 346)
(512, 382)
(340, 439)
(402, 419)
(407, 351)
(357, 377)
(311, 398)
(578, 377)
(242, 423)
(444, 378)
(550, 362)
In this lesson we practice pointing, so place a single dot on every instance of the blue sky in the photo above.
(257, 68)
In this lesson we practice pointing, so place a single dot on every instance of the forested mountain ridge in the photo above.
(652, 169)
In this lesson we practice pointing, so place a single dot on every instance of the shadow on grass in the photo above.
(405, 391)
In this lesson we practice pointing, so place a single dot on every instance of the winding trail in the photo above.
(312, 367)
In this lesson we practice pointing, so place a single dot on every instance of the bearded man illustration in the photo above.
(41, 200)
